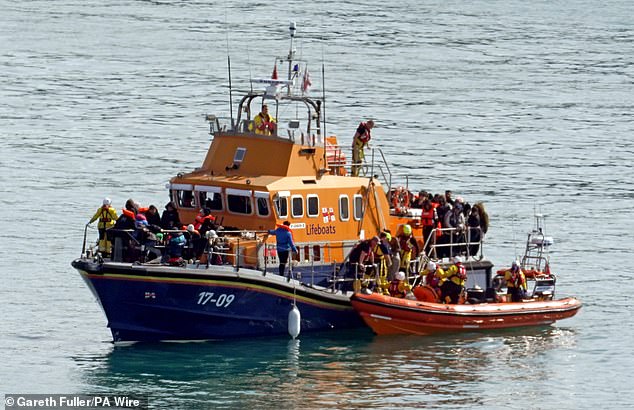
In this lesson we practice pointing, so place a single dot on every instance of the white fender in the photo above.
(294, 322)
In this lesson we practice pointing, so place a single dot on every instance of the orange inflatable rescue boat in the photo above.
(423, 314)
(389, 315)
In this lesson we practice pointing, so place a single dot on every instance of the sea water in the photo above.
(521, 105)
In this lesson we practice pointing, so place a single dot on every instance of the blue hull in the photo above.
(153, 304)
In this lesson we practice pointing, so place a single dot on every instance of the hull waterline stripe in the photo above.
(215, 282)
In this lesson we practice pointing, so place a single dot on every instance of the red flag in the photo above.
(547, 269)
(306, 83)
(274, 76)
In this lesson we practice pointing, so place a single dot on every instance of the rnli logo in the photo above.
(328, 215)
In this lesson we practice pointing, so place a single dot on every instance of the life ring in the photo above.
(400, 200)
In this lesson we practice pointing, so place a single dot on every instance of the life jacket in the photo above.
(427, 217)
(397, 289)
(105, 214)
(364, 133)
(286, 227)
(461, 273)
(265, 121)
(516, 279)
(378, 251)
(405, 243)
(129, 214)
(200, 220)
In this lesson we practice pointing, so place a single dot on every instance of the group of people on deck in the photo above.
(147, 235)
(388, 261)
(392, 256)
(454, 221)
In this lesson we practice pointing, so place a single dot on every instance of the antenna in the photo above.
(229, 69)
(323, 90)
(291, 54)
(323, 109)
(230, 92)
(323, 94)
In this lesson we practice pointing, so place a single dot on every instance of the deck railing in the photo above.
(253, 249)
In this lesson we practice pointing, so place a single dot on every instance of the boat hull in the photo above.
(157, 303)
(388, 315)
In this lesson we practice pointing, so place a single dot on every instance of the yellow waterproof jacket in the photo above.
(258, 122)
(515, 280)
(107, 216)
(452, 275)
(433, 279)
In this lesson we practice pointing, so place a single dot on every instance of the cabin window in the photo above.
(344, 208)
(239, 201)
(312, 205)
(238, 157)
(358, 207)
(281, 206)
(210, 200)
(185, 199)
(262, 203)
(297, 206)
(316, 253)
(307, 253)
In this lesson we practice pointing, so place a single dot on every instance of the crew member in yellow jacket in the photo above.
(453, 281)
(515, 282)
(264, 123)
(107, 216)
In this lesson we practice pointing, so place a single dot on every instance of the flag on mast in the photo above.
(274, 76)
(306, 83)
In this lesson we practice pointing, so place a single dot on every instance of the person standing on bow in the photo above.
(515, 282)
(360, 140)
(285, 244)
(264, 123)
(107, 216)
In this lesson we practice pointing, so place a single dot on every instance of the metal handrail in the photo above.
(431, 241)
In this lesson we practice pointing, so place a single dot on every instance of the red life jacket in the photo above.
(462, 271)
(427, 217)
(405, 243)
(364, 133)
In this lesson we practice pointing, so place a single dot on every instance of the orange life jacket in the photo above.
(128, 213)
(200, 220)
(287, 228)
